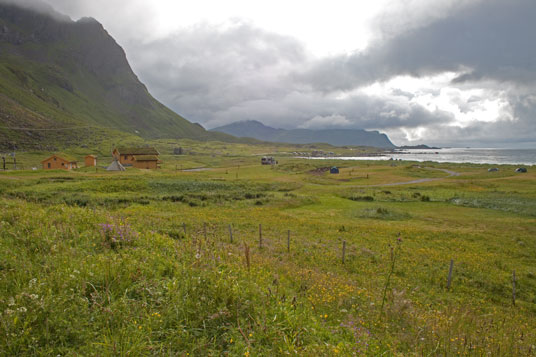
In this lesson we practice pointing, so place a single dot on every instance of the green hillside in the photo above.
(74, 78)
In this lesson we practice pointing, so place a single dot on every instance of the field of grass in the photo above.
(142, 262)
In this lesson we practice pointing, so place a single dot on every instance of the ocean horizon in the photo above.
(493, 156)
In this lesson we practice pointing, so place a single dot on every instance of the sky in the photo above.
(443, 72)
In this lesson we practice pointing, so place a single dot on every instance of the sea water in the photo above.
(457, 155)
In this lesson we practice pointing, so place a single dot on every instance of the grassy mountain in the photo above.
(336, 137)
(57, 74)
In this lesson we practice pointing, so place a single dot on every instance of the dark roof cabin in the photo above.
(146, 161)
(334, 170)
(127, 156)
(138, 151)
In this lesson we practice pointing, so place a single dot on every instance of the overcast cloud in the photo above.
(444, 72)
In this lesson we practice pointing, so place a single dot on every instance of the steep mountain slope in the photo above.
(336, 137)
(57, 73)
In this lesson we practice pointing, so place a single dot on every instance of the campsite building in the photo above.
(127, 156)
(60, 161)
(90, 160)
(146, 162)
(268, 160)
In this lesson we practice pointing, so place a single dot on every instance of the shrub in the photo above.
(383, 213)
(77, 200)
(361, 198)
(174, 198)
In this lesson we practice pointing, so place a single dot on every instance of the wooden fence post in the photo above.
(246, 252)
(449, 278)
(260, 235)
(205, 230)
(288, 241)
(184, 227)
(343, 251)
(231, 233)
(514, 287)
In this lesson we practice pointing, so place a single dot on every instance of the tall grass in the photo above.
(92, 278)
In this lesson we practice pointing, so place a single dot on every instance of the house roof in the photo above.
(62, 156)
(138, 151)
(92, 156)
(146, 158)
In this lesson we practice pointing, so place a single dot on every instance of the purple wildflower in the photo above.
(118, 233)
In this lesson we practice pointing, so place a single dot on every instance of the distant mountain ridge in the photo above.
(336, 137)
(57, 73)
(420, 146)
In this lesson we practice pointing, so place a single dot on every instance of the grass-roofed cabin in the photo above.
(146, 162)
(59, 161)
(127, 156)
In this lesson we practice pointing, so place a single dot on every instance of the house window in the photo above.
(62, 164)
(126, 157)
(54, 159)
(48, 165)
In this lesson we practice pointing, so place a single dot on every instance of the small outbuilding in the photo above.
(59, 161)
(90, 160)
(334, 170)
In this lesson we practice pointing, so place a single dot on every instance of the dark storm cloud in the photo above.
(220, 74)
(216, 76)
(38, 6)
(124, 19)
(493, 39)
(209, 71)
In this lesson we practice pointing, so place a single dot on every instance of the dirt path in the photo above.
(449, 172)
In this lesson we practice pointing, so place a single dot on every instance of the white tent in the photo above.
(115, 166)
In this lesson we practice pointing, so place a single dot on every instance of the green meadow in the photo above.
(144, 263)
